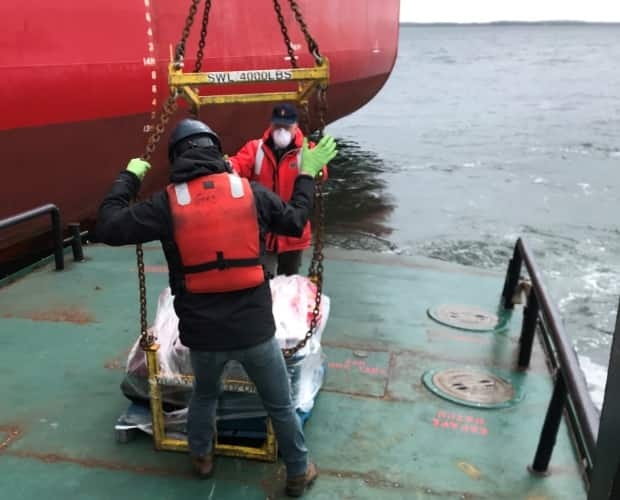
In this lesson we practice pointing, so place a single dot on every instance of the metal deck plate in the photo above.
(472, 387)
(463, 317)
(369, 443)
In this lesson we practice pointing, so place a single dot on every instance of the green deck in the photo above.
(64, 338)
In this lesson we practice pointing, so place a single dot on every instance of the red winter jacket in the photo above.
(257, 162)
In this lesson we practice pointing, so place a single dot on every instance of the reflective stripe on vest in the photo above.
(236, 186)
(299, 161)
(258, 161)
(182, 192)
(216, 233)
(260, 155)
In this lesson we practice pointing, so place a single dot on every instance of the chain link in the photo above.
(203, 37)
(322, 95)
(304, 121)
(284, 30)
(180, 49)
(315, 271)
(313, 47)
(169, 108)
(146, 337)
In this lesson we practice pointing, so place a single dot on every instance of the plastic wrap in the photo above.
(293, 303)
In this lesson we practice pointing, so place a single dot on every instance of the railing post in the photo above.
(528, 329)
(569, 381)
(57, 236)
(76, 241)
(550, 427)
(615, 488)
(605, 484)
(54, 212)
(512, 278)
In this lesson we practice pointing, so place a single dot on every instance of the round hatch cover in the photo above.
(470, 318)
(472, 387)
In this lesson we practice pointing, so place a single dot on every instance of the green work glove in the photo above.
(138, 167)
(313, 160)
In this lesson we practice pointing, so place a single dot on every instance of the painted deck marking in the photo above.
(462, 423)
(360, 365)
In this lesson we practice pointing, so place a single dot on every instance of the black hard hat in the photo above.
(201, 133)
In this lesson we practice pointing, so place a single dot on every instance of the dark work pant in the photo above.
(287, 262)
(265, 366)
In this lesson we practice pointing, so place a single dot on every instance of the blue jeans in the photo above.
(265, 366)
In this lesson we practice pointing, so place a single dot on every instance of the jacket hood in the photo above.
(197, 162)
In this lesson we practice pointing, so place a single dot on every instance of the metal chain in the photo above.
(305, 115)
(315, 271)
(322, 96)
(284, 30)
(169, 108)
(146, 338)
(304, 121)
(180, 49)
(203, 36)
(313, 47)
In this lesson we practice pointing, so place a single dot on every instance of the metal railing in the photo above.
(605, 482)
(75, 240)
(570, 392)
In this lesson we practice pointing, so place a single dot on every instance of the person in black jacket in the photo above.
(224, 306)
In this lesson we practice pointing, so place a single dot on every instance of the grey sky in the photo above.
(464, 11)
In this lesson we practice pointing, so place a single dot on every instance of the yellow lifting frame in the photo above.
(187, 86)
(308, 79)
(268, 452)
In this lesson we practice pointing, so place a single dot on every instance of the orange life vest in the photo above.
(216, 233)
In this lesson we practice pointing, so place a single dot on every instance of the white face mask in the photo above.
(281, 137)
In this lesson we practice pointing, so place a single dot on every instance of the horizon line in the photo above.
(505, 22)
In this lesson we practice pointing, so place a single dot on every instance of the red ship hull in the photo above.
(81, 81)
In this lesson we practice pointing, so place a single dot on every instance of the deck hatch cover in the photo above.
(473, 387)
(464, 317)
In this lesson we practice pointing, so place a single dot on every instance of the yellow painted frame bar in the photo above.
(176, 77)
(308, 79)
(268, 452)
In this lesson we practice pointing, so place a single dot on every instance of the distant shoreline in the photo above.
(513, 23)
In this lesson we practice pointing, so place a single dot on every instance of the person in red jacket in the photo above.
(274, 161)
